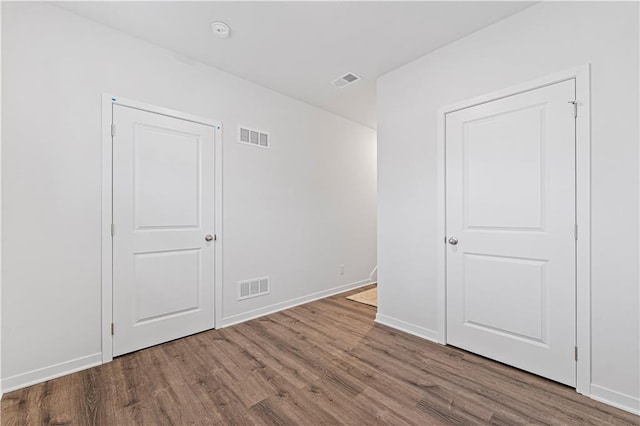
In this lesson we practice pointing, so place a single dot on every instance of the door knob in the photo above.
(453, 241)
(209, 237)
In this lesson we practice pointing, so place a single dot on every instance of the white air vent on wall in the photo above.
(253, 288)
(345, 80)
(253, 137)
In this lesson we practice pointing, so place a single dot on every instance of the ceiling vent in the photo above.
(345, 80)
(253, 137)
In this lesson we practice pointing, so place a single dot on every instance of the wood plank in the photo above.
(326, 362)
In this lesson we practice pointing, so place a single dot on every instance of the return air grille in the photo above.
(254, 287)
(254, 137)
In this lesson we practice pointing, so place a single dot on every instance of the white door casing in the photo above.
(510, 203)
(163, 209)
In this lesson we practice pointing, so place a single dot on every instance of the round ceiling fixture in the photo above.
(220, 29)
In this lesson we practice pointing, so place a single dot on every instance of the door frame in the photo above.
(108, 102)
(582, 77)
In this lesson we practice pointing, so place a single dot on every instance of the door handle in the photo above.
(453, 241)
(209, 237)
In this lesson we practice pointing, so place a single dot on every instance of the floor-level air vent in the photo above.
(254, 137)
(254, 287)
(345, 80)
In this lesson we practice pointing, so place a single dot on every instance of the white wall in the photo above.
(0, 198)
(541, 40)
(294, 212)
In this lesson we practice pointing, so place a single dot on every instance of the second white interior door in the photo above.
(510, 227)
(163, 211)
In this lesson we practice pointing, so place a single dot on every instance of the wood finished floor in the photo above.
(321, 363)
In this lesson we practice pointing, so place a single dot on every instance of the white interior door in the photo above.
(163, 212)
(510, 202)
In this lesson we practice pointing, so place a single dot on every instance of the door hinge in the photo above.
(113, 130)
(215, 237)
(112, 329)
(575, 353)
(575, 108)
(575, 231)
(113, 229)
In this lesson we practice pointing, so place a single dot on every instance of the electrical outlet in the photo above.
(341, 269)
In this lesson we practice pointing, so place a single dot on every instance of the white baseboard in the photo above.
(373, 276)
(416, 330)
(51, 372)
(256, 313)
(616, 399)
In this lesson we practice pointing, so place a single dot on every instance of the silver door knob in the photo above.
(209, 237)
(453, 241)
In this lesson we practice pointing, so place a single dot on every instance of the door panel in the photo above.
(513, 287)
(167, 283)
(167, 178)
(511, 205)
(163, 207)
(498, 163)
